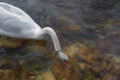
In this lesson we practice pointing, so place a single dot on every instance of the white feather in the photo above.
(15, 23)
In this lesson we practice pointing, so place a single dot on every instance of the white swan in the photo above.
(15, 23)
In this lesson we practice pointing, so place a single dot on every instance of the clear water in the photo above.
(88, 33)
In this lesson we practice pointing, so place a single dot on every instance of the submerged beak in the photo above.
(65, 59)
(67, 64)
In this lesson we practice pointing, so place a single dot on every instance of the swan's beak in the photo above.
(65, 59)
(67, 64)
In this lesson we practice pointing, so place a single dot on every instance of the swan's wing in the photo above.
(15, 22)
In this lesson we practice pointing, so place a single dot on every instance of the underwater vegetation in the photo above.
(87, 63)
(89, 33)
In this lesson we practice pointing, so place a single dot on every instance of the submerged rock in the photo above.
(31, 60)
(19, 56)
(89, 29)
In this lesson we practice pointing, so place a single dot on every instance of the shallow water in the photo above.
(32, 60)
(89, 35)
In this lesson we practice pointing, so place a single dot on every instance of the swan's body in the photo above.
(15, 23)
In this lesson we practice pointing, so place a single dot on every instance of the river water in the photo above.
(88, 31)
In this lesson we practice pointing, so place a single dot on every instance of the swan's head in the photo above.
(65, 59)
(63, 56)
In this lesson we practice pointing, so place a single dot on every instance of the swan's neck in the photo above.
(53, 35)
